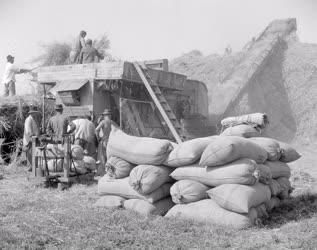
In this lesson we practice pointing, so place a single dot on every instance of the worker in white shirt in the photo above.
(84, 135)
(30, 129)
(9, 76)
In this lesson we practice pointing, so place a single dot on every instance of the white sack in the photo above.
(137, 150)
(146, 178)
(208, 211)
(145, 208)
(187, 191)
(225, 149)
(121, 187)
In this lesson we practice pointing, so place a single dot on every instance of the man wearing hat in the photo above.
(30, 129)
(57, 125)
(102, 132)
(9, 76)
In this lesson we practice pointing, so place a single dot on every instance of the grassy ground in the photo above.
(37, 218)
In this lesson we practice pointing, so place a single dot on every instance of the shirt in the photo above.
(9, 72)
(57, 126)
(79, 44)
(104, 128)
(85, 130)
(30, 129)
(88, 54)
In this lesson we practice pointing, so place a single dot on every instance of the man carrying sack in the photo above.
(30, 129)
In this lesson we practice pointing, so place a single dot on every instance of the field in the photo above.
(32, 217)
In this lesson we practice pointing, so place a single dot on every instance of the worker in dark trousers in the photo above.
(89, 54)
(31, 128)
(102, 132)
(58, 124)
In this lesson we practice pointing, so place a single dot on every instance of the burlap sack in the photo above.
(145, 208)
(118, 168)
(288, 153)
(208, 211)
(225, 149)
(121, 187)
(110, 201)
(243, 171)
(242, 130)
(240, 198)
(271, 146)
(187, 152)
(146, 178)
(187, 191)
(137, 150)
(278, 169)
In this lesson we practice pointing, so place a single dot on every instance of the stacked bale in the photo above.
(247, 126)
(236, 182)
(135, 173)
(228, 180)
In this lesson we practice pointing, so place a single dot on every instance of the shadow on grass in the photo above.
(303, 206)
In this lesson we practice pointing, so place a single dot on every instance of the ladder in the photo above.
(161, 103)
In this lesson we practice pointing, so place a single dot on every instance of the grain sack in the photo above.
(121, 187)
(225, 149)
(286, 187)
(145, 208)
(187, 152)
(261, 211)
(259, 119)
(137, 150)
(77, 152)
(242, 171)
(278, 169)
(288, 153)
(79, 167)
(54, 165)
(110, 201)
(242, 130)
(187, 191)
(54, 151)
(118, 168)
(265, 175)
(208, 211)
(146, 178)
(90, 162)
(275, 187)
(272, 203)
(271, 146)
(240, 198)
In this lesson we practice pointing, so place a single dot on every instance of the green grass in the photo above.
(37, 218)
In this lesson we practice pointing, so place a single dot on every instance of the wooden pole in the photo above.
(43, 109)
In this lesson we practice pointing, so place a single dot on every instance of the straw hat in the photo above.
(33, 110)
(106, 112)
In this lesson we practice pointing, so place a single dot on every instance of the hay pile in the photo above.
(284, 87)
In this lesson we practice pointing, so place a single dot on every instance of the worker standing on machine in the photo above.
(58, 124)
(30, 129)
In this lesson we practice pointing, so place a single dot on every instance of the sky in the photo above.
(146, 29)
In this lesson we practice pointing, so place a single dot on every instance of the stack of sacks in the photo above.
(227, 163)
(244, 179)
(135, 177)
(250, 125)
(80, 162)
(279, 154)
